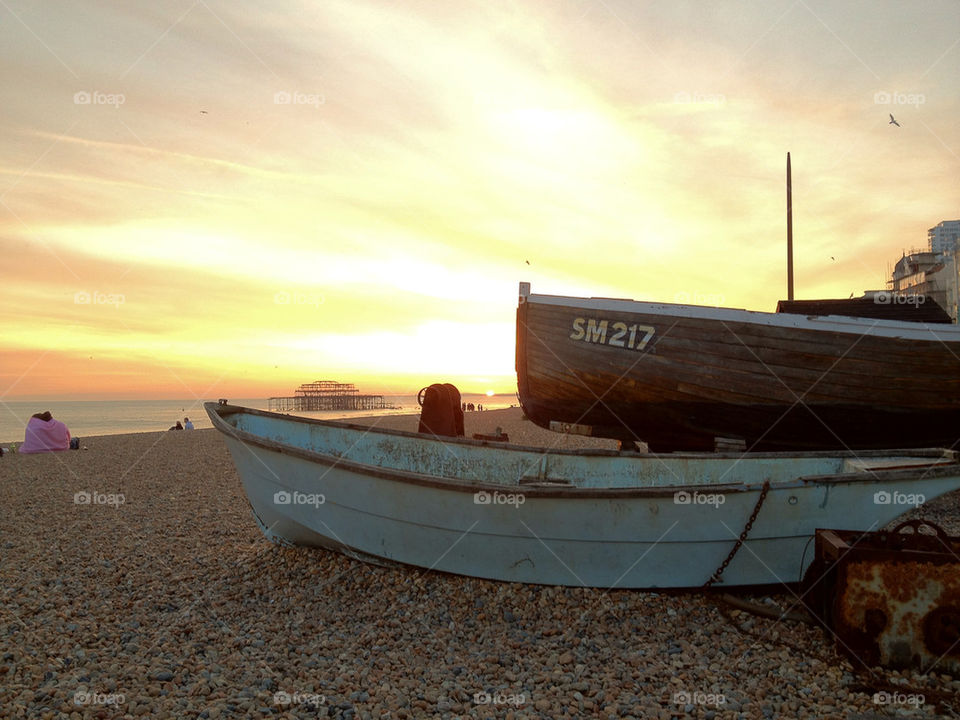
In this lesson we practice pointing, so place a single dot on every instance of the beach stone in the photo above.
(375, 641)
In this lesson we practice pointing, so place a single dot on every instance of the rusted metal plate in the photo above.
(892, 598)
(570, 428)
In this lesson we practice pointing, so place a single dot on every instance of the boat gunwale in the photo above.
(214, 410)
(845, 324)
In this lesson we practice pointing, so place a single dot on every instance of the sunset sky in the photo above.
(205, 198)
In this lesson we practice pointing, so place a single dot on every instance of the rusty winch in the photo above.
(892, 597)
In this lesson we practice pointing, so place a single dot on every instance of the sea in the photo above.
(117, 417)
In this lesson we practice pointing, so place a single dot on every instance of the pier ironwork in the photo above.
(327, 395)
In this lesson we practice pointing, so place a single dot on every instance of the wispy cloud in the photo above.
(410, 163)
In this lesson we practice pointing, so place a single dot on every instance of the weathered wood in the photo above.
(777, 382)
(885, 306)
(595, 518)
(789, 230)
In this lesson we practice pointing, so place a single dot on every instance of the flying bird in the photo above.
(832, 257)
(893, 121)
(527, 262)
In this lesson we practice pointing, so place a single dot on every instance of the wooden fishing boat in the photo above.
(587, 518)
(680, 376)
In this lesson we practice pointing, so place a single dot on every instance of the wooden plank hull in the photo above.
(597, 519)
(677, 377)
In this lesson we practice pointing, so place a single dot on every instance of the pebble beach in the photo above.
(135, 584)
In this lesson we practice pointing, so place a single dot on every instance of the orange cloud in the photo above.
(284, 194)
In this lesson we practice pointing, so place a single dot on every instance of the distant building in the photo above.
(944, 237)
(921, 273)
(934, 272)
(951, 283)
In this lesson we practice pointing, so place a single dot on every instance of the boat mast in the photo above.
(789, 234)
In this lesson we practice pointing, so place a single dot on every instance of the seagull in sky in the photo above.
(893, 121)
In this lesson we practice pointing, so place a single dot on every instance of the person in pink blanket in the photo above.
(44, 434)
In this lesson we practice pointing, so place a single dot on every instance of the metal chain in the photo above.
(743, 536)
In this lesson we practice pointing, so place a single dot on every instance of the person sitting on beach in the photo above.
(178, 426)
(44, 434)
(187, 425)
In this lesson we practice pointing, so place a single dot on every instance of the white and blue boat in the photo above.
(597, 518)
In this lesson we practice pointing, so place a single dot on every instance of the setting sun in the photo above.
(289, 214)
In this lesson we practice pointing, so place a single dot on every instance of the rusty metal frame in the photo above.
(892, 597)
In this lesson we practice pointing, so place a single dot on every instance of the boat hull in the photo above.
(617, 537)
(678, 377)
